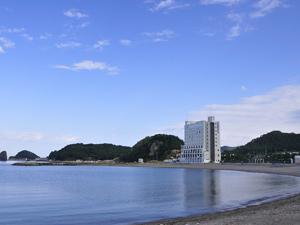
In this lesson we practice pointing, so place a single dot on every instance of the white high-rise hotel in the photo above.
(201, 142)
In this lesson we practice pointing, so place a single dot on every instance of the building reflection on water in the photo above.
(201, 189)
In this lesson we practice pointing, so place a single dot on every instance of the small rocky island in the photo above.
(3, 156)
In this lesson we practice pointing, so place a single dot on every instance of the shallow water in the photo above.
(93, 195)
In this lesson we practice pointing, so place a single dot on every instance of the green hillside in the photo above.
(157, 147)
(271, 147)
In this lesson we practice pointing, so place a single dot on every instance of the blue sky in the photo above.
(115, 71)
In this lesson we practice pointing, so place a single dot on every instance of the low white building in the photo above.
(297, 159)
(201, 142)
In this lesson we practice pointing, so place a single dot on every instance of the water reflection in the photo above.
(201, 187)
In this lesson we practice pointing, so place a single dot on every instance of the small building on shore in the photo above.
(297, 159)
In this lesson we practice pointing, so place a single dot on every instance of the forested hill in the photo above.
(157, 147)
(275, 141)
(24, 155)
(271, 147)
(89, 152)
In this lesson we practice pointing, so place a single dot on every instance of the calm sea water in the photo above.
(119, 195)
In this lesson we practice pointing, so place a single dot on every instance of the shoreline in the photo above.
(285, 210)
(279, 169)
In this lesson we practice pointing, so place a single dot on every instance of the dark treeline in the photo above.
(89, 152)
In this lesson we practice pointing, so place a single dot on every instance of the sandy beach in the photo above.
(283, 212)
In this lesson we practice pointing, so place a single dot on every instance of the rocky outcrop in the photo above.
(3, 156)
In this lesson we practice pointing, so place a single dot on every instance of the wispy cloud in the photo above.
(5, 44)
(125, 42)
(263, 7)
(235, 17)
(160, 36)
(70, 44)
(12, 30)
(36, 137)
(236, 29)
(167, 5)
(220, 2)
(241, 22)
(83, 25)
(244, 88)
(45, 36)
(234, 32)
(75, 13)
(278, 109)
(19, 31)
(27, 37)
(90, 65)
(101, 44)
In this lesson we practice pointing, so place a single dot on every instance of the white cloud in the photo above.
(220, 2)
(125, 42)
(45, 36)
(278, 109)
(70, 44)
(263, 7)
(243, 88)
(89, 65)
(236, 29)
(84, 25)
(167, 5)
(164, 35)
(5, 44)
(75, 13)
(101, 44)
(234, 32)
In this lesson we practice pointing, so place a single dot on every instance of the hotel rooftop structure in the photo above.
(201, 142)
